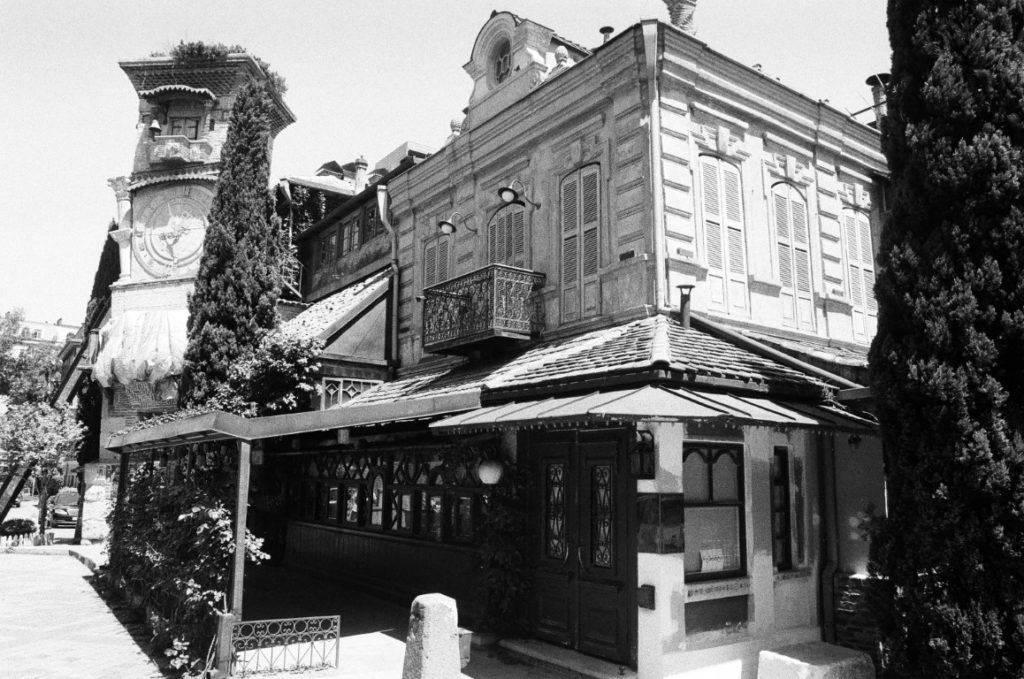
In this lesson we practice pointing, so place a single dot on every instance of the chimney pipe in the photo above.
(680, 13)
(606, 31)
(360, 179)
(684, 304)
(877, 83)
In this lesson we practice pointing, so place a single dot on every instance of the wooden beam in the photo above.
(241, 512)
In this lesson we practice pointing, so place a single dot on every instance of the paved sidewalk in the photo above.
(54, 624)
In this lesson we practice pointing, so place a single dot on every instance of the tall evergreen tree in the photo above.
(238, 282)
(948, 361)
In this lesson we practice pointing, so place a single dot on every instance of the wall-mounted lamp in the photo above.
(447, 226)
(490, 471)
(510, 196)
(641, 456)
(154, 128)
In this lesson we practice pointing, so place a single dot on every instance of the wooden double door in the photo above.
(584, 588)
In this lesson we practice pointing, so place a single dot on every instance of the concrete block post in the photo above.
(224, 650)
(432, 646)
(814, 660)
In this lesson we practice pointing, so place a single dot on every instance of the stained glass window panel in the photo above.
(554, 520)
(601, 516)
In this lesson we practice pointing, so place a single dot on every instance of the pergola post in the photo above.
(122, 480)
(241, 511)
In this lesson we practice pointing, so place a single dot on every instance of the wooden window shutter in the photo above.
(737, 244)
(518, 237)
(430, 264)
(492, 240)
(497, 244)
(590, 200)
(442, 259)
(802, 260)
(712, 212)
(570, 248)
(510, 246)
(782, 237)
(854, 266)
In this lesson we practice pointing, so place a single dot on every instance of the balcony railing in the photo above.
(496, 301)
(178, 149)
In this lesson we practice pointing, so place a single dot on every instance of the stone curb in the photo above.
(86, 560)
(89, 562)
(37, 551)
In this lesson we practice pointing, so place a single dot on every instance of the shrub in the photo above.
(17, 527)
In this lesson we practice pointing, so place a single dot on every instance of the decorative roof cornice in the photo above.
(207, 172)
(203, 92)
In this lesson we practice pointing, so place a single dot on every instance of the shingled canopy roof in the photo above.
(333, 313)
(686, 355)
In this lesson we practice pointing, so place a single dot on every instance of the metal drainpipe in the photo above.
(829, 533)
(753, 345)
(651, 34)
(382, 210)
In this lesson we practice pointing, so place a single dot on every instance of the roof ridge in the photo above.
(661, 344)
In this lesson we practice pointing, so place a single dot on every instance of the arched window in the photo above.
(792, 239)
(860, 265)
(580, 222)
(506, 237)
(724, 243)
(436, 261)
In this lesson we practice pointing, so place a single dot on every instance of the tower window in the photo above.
(501, 61)
(185, 127)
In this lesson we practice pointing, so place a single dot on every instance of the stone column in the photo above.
(123, 238)
(124, 199)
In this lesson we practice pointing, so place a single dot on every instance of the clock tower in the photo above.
(163, 205)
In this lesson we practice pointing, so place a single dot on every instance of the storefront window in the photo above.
(713, 510)
(431, 496)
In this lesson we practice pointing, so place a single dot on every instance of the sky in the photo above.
(362, 79)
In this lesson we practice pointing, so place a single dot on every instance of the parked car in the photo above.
(63, 508)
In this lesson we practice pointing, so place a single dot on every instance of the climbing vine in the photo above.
(504, 580)
(172, 545)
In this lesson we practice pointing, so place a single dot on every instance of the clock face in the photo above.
(168, 234)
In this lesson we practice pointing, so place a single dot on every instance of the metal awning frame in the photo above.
(654, 403)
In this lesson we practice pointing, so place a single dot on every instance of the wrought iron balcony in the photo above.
(178, 149)
(496, 302)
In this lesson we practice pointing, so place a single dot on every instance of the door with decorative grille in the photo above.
(583, 594)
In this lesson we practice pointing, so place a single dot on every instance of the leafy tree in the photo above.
(239, 281)
(947, 363)
(27, 373)
(279, 376)
(41, 437)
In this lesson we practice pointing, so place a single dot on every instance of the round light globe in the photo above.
(490, 472)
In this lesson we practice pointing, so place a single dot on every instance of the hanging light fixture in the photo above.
(447, 226)
(510, 196)
(490, 471)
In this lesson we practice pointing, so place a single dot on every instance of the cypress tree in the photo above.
(947, 361)
(238, 283)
